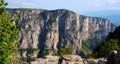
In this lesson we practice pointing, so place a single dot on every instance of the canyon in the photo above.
(41, 29)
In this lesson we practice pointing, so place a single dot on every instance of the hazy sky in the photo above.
(75, 5)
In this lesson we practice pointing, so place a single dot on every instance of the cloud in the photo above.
(113, 1)
(22, 4)
(27, 4)
(97, 5)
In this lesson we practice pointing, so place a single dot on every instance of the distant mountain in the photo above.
(112, 15)
(114, 19)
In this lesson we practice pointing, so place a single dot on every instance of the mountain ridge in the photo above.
(112, 15)
(56, 29)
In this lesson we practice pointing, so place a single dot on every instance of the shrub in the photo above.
(66, 50)
(46, 52)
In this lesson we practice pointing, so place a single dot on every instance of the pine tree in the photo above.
(8, 35)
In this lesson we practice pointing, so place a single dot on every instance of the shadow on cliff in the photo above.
(42, 38)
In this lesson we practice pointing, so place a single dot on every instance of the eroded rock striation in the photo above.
(55, 29)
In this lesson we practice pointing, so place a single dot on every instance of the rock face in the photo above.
(47, 60)
(97, 61)
(67, 59)
(112, 57)
(72, 59)
(54, 29)
(117, 58)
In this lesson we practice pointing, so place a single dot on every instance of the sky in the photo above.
(75, 5)
(95, 8)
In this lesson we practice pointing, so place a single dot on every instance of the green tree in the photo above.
(3, 5)
(104, 49)
(112, 42)
(8, 35)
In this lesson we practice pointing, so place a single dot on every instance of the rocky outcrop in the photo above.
(114, 57)
(66, 59)
(117, 58)
(97, 61)
(72, 59)
(55, 29)
(47, 60)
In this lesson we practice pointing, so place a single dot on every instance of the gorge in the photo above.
(55, 29)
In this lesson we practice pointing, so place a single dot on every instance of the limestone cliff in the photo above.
(54, 29)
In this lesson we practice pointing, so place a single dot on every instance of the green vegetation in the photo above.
(29, 50)
(27, 60)
(17, 60)
(112, 42)
(104, 49)
(86, 48)
(46, 52)
(3, 5)
(66, 50)
(8, 35)
(89, 45)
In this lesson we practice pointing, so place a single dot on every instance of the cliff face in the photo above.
(55, 29)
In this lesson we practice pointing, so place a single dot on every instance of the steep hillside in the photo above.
(115, 34)
(112, 42)
(43, 29)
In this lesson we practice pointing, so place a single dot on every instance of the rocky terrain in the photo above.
(43, 29)
(117, 57)
(67, 59)
(113, 58)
